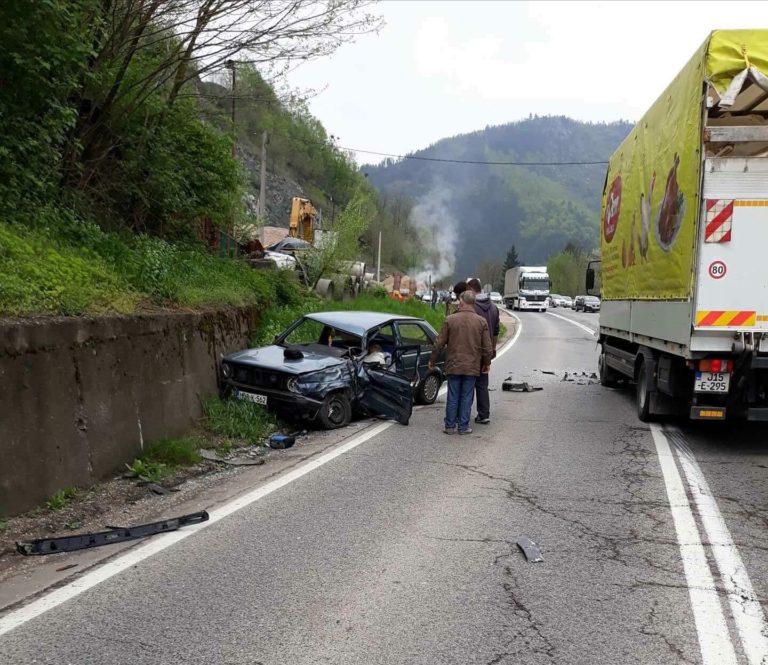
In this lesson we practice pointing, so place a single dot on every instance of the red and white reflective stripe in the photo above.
(719, 220)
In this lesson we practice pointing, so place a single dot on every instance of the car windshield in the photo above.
(314, 333)
(591, 299)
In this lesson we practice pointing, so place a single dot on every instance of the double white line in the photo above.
(711, 625)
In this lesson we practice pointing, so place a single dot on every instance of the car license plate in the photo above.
(251, 397)
(712, 382)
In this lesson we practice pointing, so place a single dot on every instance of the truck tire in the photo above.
(335, 412)
(643, 395)
(609, 377)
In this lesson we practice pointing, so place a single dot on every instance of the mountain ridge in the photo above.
(539, 209)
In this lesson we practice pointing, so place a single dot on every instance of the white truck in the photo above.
(683, 274)
(527, 287)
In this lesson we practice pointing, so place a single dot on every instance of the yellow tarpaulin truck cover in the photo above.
(651, 201)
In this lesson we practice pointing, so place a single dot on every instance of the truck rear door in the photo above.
(732, 273)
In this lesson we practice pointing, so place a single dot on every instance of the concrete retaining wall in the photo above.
(80, 397)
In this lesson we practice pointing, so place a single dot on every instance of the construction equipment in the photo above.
(303, 219)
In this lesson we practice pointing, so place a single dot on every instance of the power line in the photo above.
(471, 161)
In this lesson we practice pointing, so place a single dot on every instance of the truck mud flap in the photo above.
(115, 535)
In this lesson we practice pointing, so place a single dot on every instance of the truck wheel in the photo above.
(608, 377)
(428, 388)
(643, 395)
(335, 412)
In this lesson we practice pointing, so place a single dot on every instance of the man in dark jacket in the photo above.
(469, 353)
(485, 308)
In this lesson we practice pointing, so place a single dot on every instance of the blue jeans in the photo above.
(458, 406)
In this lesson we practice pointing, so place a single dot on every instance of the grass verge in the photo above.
(235, 419)
(62, 498)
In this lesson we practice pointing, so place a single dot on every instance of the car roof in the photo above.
(357, 323)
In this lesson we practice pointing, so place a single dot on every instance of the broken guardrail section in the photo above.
(83, 541)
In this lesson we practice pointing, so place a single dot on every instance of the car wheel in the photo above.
(643, 395)
(428, 388)
(335, 412)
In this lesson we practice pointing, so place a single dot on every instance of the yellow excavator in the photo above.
(302, 220)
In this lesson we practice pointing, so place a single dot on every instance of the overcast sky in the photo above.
(442, 68)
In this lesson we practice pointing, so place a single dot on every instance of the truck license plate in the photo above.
(251, 397)
(712, 382)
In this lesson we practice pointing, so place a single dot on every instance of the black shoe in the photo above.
(482, 421)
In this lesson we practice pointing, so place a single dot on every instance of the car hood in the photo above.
(271, 357)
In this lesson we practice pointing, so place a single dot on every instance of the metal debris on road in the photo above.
(523, 387)
(531, 550)
(115, 535)
(67, 567)
(581, 378)
(238, 461)
(157, 489)
(547, 371)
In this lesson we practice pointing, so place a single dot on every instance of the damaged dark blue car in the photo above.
(320, 369)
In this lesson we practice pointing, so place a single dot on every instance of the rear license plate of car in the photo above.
(712, 382)
(251, 397)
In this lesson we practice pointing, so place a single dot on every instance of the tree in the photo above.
(490, 272)
(341, 244)
(512, 261)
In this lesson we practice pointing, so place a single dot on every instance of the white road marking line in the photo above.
(745, 606)
(576, 323)
(89, 580)
(714, 639)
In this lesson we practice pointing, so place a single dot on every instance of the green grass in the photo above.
(59, 265)
(237, 419)
(62, 498)
(162, 458)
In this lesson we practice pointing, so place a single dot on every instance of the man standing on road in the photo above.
(469, 353)
(434, 297)
(485, 308)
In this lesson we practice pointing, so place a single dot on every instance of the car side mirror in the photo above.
(590, 279)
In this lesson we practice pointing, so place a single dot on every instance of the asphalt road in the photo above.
(402, 549)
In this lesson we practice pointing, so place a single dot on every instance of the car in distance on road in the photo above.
(556, 300)
(316, 370)
(496, 298)
(586, 304)
(567, 301)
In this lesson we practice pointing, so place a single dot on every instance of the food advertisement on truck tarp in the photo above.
(650, 198)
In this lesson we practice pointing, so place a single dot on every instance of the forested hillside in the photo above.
(117, 146)
(488, 208)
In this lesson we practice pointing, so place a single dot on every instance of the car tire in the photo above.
(643, 395)
(428, 389)
(335, 411)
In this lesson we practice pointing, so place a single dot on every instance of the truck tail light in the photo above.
(715, 365)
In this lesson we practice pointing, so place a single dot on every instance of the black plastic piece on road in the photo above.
(530, 549)
(523, 387)
(118, 535)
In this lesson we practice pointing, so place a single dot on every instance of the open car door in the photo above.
(384, 392)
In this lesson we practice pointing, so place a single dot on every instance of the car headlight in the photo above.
(226, 370)
(291, 385)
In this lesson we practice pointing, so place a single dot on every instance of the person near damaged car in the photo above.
(485, 308)
(468, 342)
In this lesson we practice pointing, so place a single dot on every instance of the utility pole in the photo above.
(378, 261)
(230, 64)
(263, 184)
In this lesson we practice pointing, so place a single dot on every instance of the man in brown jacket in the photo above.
(469, 353)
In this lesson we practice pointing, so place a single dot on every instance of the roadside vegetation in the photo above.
(117, 160)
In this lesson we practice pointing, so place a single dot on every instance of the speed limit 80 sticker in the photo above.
(717, 269)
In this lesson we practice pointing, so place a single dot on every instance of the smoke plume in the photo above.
(433, 220)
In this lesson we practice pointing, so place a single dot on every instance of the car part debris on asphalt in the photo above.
(523, 387)
(42, 546)
(582, 378)
(531, 550)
